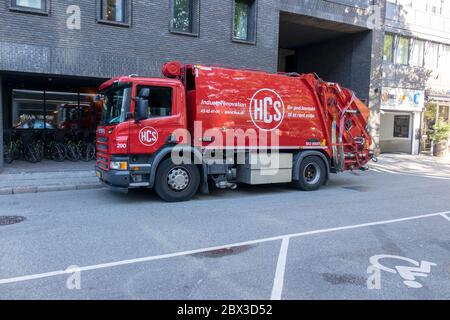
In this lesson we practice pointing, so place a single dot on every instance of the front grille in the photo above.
(102, 161)
(103, 147)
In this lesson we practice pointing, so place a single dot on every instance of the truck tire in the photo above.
(313, 174)
(176, 183)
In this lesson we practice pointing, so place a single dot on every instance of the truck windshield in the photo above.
(116, 104)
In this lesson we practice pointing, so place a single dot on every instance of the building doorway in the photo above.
(336, 52)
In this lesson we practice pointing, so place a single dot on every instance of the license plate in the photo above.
(99, 174)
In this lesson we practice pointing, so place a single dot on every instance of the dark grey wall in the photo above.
(44, 44)
(1, 126)
(345, 60)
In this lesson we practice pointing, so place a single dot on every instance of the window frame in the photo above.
(392, 60)
(395, 126)
(195, 24)
(16, 8)
(413, 49)
(253, 23)
(127, 14)
(141, 85)
(397, 47)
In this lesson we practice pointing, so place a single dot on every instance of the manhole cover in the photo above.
(7, 220)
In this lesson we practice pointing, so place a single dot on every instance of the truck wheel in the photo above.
(312, 174)
(176, 183)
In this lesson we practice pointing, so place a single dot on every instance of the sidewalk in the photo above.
(46, 176)
(422, 165)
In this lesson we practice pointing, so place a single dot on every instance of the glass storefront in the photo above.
(54, 110)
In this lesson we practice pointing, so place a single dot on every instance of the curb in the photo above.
(49, 188)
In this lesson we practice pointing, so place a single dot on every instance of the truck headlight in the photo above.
(119, 165)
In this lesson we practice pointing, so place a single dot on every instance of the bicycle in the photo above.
(12, 150)
(72, 150)
(30, 150)
(54, 150)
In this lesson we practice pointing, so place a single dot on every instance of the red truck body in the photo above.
(209, 108)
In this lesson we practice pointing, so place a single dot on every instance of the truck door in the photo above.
(166, 113)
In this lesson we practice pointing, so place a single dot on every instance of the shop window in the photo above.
(159, 101)
(28, 110)
(388, 55)
(61, 110)
(444, 114)
(115, 12)
(54, 110)
(32, 6)
(244, 21)
(401, 126)
(185, 16)
(402, 52)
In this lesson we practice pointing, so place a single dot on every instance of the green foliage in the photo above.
(441, 132)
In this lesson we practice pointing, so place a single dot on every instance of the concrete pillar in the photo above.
(1, 125)
(377, 75)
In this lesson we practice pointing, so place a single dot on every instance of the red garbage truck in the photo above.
(203, 127)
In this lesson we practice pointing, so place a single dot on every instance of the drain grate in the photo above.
(8, 220)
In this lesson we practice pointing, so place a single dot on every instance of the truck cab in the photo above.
(126, 138)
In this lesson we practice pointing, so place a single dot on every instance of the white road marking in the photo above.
(190, 252)
(278, 281)
(445, 216)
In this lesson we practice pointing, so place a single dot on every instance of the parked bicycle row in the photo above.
(56, 145)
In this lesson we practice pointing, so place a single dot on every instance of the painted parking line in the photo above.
(203, 250)
(445, 216)
(278, 281)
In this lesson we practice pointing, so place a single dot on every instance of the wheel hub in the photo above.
(312, 173)
(178, 179)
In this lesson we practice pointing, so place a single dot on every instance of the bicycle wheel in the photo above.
(58, 152)
(29, 154)
(72, 153)
(7, 156)
(88, 152)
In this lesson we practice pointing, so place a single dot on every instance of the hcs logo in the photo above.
(148, 136)
(267, 109)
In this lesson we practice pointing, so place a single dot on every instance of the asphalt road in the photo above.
(252, 243)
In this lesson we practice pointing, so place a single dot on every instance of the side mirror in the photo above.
(144, 93)
(141, 109)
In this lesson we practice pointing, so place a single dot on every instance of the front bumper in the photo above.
(114, 179)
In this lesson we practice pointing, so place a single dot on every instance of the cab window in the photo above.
(159, 101)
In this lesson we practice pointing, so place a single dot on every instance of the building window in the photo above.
(401, 126)
(435, 6)
(33, 6)
(402, 52)
(185, 16)
(432, 56)
(244, 20)
(388, 54)
(115, 11)
(418, 53)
